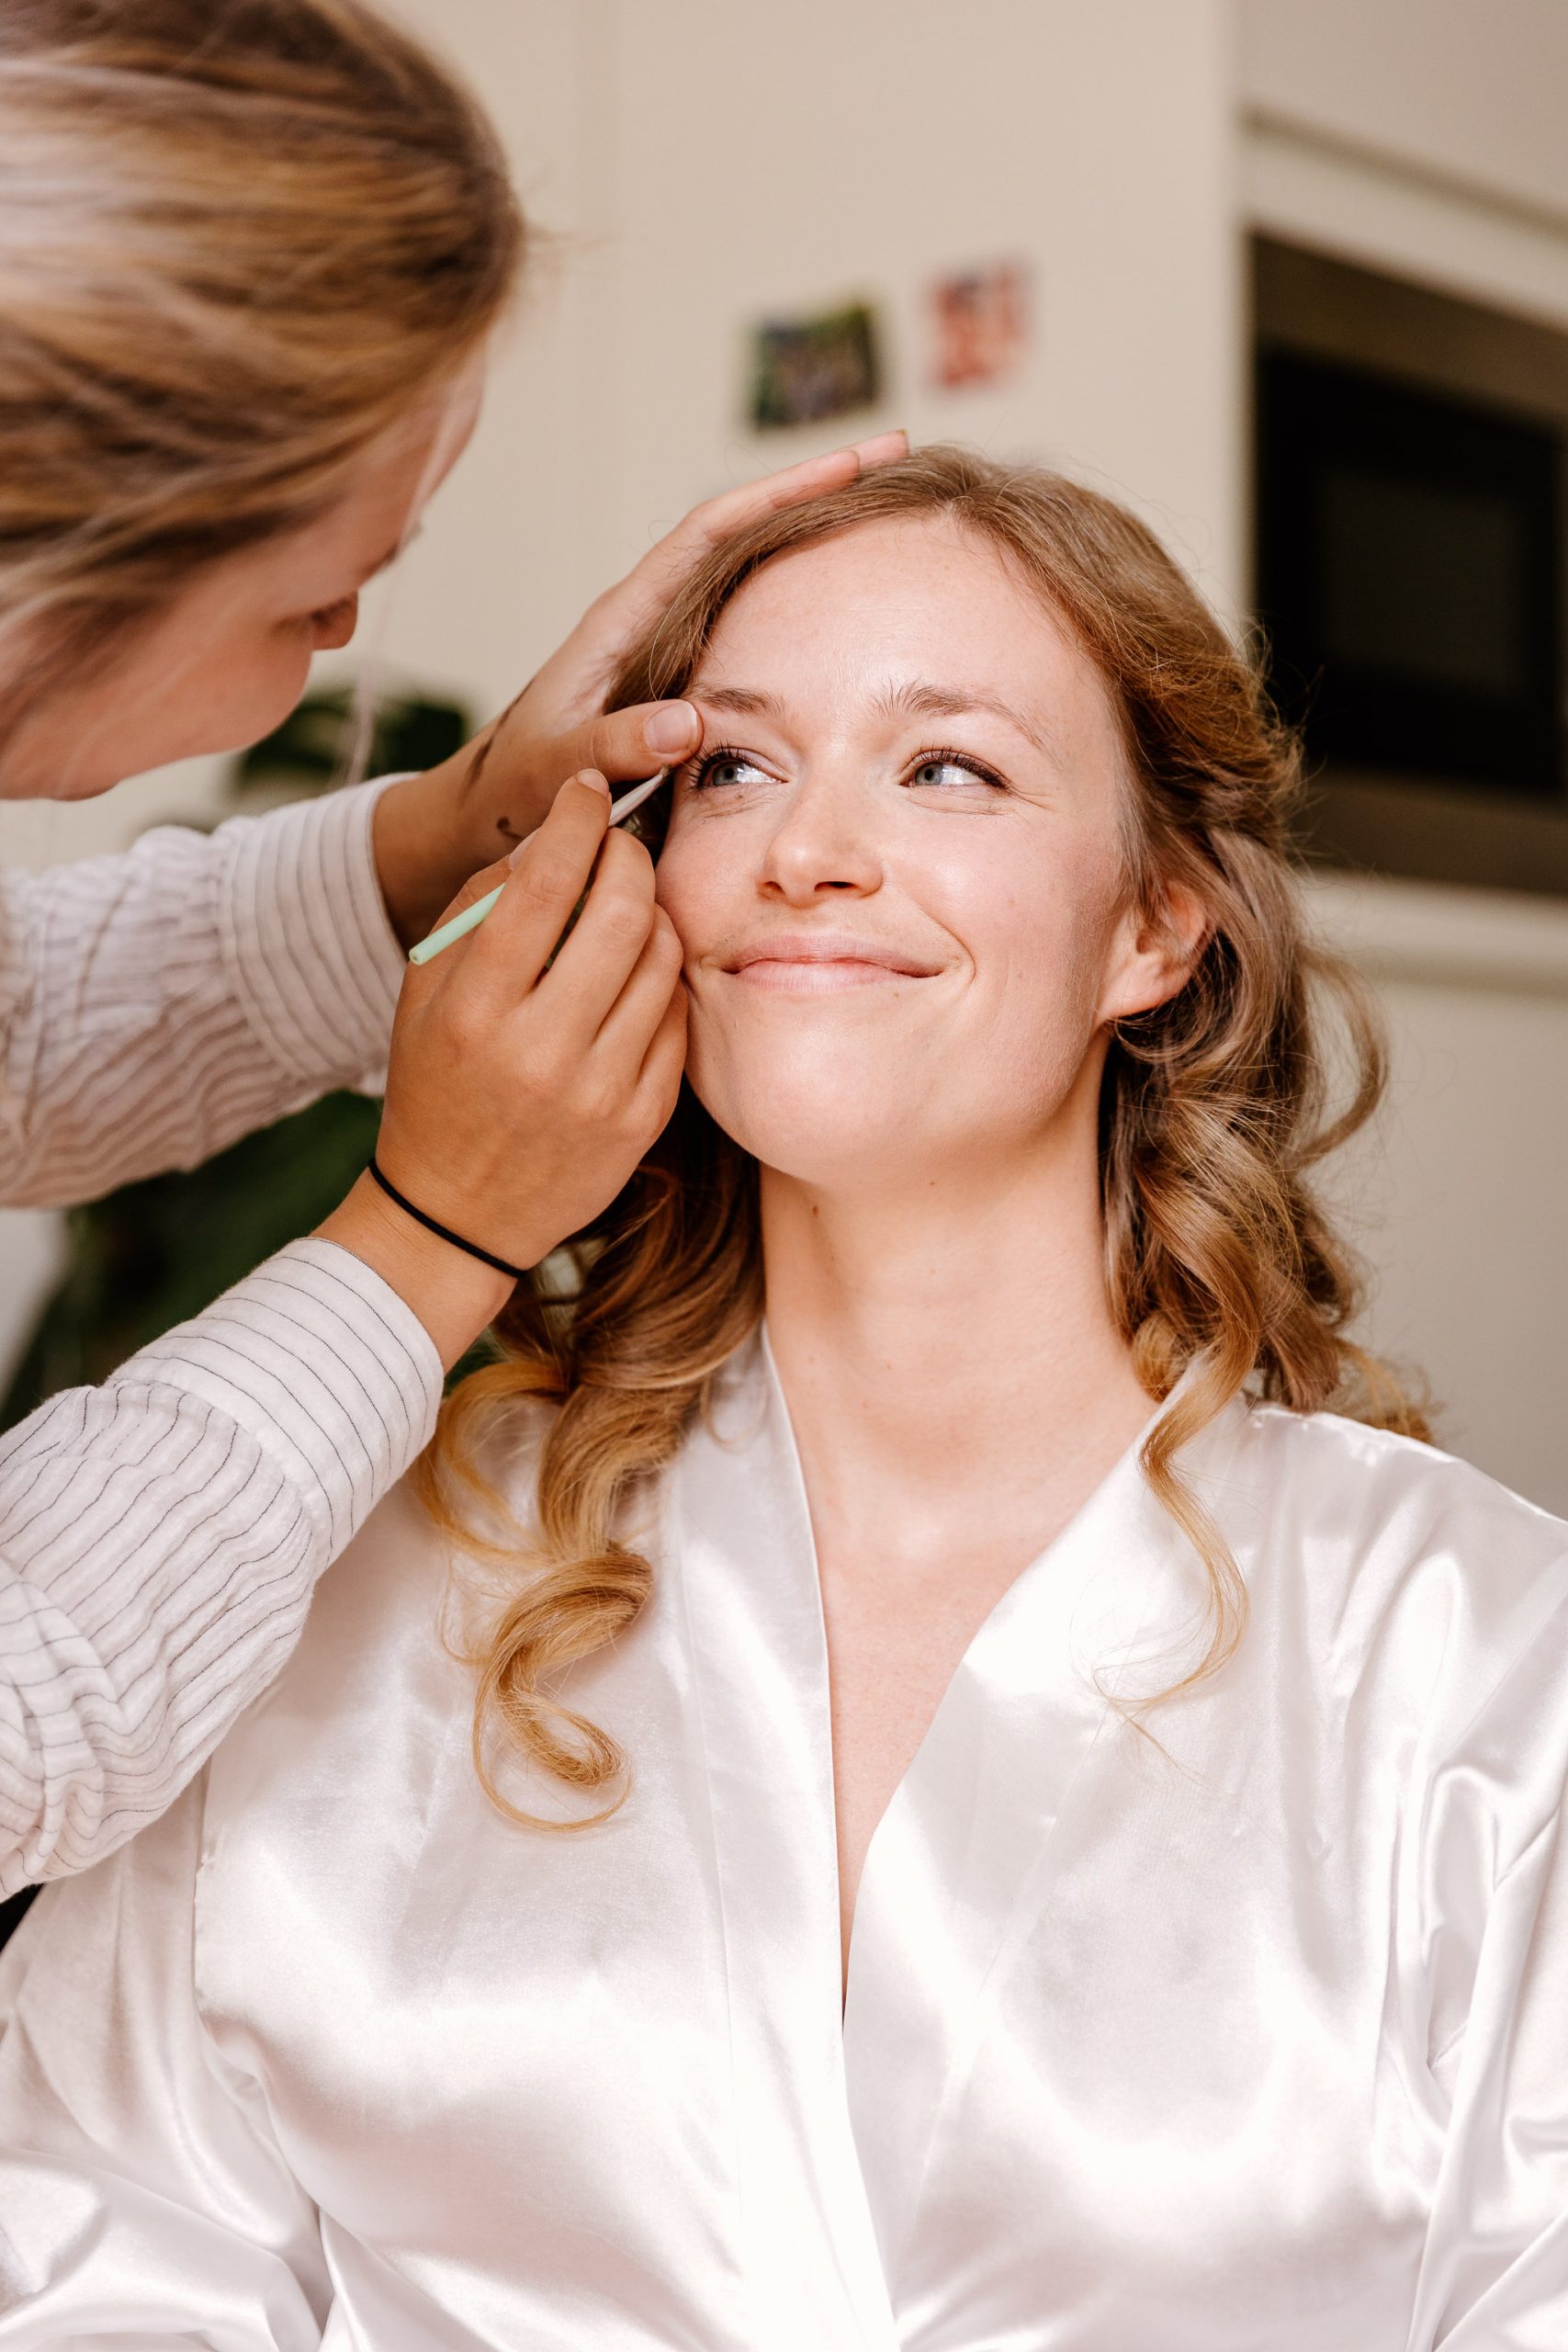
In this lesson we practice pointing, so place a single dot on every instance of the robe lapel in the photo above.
(963, 1860)
(838, 2108)
(739, 1528)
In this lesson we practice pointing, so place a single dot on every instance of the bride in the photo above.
(1009, 1811)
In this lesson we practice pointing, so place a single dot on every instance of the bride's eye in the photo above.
(725, 766)
(950, 772)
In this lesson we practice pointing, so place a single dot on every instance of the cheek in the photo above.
(254, 686)
(695, 884)
(191, 700)
(1038, 925)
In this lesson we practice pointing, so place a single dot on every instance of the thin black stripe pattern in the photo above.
(160, 1536)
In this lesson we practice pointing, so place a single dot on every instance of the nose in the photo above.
(825, 842)
(334, 625)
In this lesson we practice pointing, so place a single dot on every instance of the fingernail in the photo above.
(673, 727)
(590, 779)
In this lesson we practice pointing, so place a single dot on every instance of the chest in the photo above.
(896, 1627)
(1110, 2052)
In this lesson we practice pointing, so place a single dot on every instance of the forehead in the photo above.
(916, 595)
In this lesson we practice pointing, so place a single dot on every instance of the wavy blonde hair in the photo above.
(1213, 1112)
(240, 240)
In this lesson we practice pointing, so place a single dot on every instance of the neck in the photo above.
(952, 1338)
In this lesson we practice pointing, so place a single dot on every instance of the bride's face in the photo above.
(896, 867)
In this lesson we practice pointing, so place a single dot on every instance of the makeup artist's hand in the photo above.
(520, 1099)
(432, 831)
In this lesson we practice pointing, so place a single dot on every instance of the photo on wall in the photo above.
(820, 364)
(979, 324)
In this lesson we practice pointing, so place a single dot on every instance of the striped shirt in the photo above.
(160, 1536)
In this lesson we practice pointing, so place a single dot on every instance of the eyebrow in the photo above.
(920, 700)
(917, 699)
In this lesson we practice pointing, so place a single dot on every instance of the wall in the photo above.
(704, 163)
(1455, 1194)
(697, 164)
(1467, 90)
(716, 163)
(1425, 137)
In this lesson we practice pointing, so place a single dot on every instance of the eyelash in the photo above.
(709, 760)
(947, 756)
(936, 754)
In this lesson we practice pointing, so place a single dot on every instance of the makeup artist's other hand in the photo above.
(520, 1099)
(432, 831)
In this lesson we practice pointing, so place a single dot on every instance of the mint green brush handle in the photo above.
(471, 917)
(458, 928)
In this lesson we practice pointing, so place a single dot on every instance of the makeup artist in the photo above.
(251, 254)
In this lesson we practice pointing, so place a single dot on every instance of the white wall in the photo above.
(711, 164)
(871, 148)
(1463, 1213)
(1421, 136)
(1472, 91)
(1456, 1192)
(706, 162)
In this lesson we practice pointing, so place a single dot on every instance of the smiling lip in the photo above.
(806, 963)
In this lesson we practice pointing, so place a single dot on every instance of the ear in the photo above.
(1157, 949)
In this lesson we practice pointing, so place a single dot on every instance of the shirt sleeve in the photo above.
(161, 1536)
(1494, 1900)
(143, 2195)
(158, 1005)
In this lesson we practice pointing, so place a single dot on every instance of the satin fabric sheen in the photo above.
(1254, 2038)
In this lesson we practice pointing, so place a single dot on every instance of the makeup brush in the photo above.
(471, 917)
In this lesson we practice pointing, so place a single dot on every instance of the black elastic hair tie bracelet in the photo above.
(443, 1232)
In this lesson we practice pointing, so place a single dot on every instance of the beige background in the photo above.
(705, 162)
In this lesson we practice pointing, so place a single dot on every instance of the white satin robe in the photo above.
(1257, 2042)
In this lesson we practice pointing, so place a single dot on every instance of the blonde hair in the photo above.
(1213, 1112)
(240, 240)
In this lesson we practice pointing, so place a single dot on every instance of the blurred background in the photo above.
(1291, 277)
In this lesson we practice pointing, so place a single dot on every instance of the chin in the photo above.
(817, 1136)
(833, 1168)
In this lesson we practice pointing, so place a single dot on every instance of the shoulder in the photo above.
(1395, 1559)
(1375, 1485)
